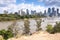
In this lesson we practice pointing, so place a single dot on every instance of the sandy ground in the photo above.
(39, 36)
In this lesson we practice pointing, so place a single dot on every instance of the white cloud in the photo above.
(50, 2)
(7, 2)
(38, 8)
(14, 7)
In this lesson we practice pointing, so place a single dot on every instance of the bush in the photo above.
(26, 28)
(13, 28)
(50, 29)
(57, 28)
(6, 34)
(38, 25)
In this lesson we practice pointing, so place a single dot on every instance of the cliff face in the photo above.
(39, 36)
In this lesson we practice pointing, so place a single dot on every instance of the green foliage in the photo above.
(10, 17)
(13, 28)
(50, 29)
(26, 29)
(6, 34)
(57, 27)
(38, 24)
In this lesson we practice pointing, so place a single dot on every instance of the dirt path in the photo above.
(40, 36)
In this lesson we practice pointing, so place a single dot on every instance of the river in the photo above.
(20, 24)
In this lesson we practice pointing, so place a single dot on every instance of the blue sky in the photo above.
(38, 5)
(29, 2)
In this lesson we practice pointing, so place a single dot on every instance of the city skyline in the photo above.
(38, 5)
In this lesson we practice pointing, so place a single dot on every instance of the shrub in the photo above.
(26, 28)
(6, 34)
(38, 24)
(50, 29)
(57, 27)
(13, 28)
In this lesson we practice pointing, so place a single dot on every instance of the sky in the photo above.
(38, 5)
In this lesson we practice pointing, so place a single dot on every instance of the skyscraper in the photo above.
(45, 13)
(53, 9)
(49, 11)
(27, 11)
(57, 11)
(33, 12)
(5, 11)
(21, 12)
(16, 13)
(53, 12)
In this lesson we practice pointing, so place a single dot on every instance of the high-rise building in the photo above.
(21, 12)
(5, 11)
(27, 11)
(16, 13)
(49, 11)
(53, 9)
(53, 12)
(33, 12)
(40, 13)
(57, 11)
(45, 14)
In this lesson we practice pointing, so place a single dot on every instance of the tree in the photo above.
(38, 24)
(26, 28)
